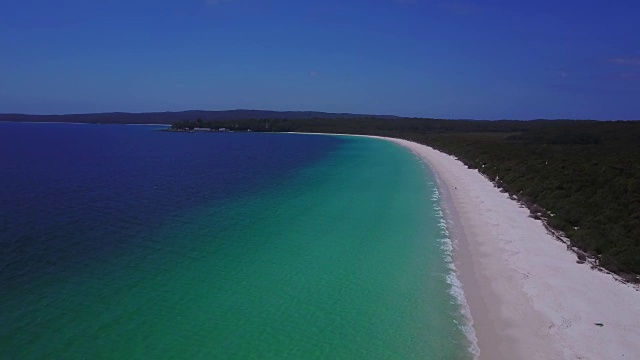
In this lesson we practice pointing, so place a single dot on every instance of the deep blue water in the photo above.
(71, 193)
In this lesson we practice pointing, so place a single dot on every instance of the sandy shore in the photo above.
(528, 297)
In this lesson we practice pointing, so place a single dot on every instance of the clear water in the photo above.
(126, 242)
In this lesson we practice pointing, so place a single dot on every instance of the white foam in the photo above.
(455, 289)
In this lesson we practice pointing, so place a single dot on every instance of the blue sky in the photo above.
(485, 59)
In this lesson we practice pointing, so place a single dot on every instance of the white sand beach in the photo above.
(528, 297)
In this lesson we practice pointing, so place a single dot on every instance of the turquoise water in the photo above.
(341, 256)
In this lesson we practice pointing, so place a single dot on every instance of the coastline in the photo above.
(79, 123)
(528, 297)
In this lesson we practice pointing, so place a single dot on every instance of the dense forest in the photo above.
(581, 177)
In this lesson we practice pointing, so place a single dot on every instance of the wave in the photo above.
(456, 290)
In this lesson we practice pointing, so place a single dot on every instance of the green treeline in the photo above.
(583, 177)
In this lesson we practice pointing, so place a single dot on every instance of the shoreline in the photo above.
(527, 295)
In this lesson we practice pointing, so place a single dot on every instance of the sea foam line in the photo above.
(455, 290)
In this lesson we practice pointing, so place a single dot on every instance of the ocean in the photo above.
(123, 242)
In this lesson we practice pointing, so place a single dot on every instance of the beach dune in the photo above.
(528, 297)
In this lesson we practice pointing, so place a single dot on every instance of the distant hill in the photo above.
(170, 117)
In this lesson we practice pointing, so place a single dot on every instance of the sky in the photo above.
(484, 59)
